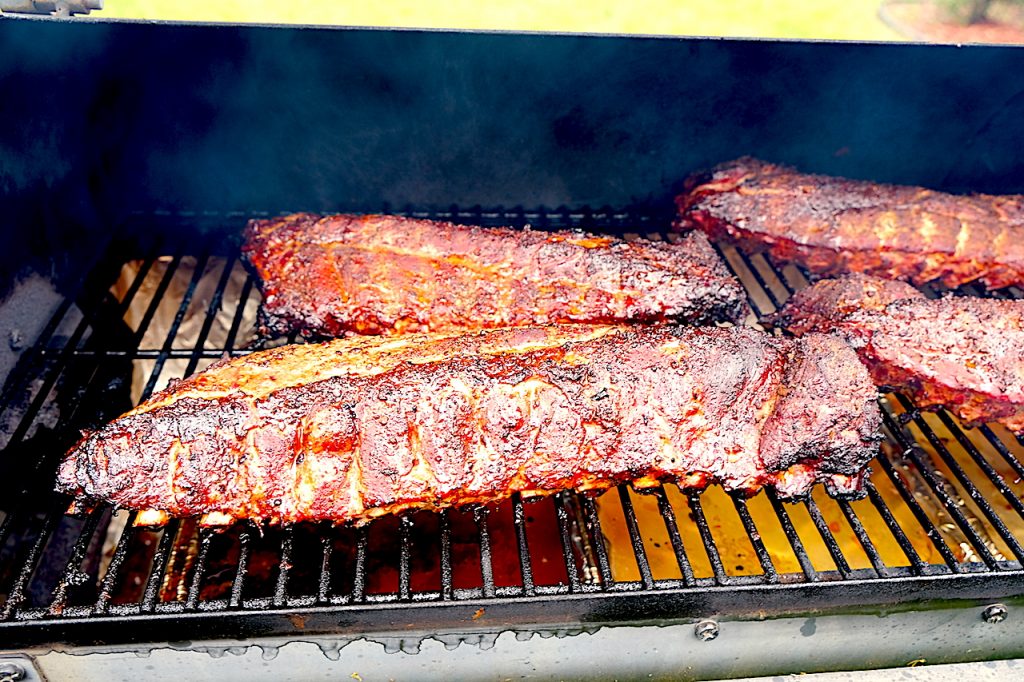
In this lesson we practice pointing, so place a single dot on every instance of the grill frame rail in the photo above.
(590, 595)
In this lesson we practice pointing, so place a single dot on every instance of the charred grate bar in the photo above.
(942, 517)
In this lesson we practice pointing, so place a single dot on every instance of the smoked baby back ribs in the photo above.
(356, 428)
(324, 276)
(834, 225)
(823, 306)
(962, 353)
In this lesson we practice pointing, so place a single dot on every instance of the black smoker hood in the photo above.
(105, 119)
(152, 143)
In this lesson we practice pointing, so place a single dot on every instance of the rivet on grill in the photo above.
(995, 613)
(706, 630)
(11, 672)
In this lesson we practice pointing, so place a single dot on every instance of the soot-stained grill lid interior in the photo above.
(116, 117)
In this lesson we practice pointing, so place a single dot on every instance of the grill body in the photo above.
(143, 150)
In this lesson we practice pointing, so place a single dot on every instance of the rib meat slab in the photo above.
(360, 427)
(962, 353)
(834, 225)
(324, 276)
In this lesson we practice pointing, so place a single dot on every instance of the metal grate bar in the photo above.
(404, 557)
(668, 517)
(158, 297)
(236, 322)
(242, 566)
(774, 272)
(179, 317)
(359, 574)
(6, 525)
(133, 289)
(206, 537)
(794, 538)
(159, 565)
(92, 285)
(486, 565)
(791, 286)
(809, 276)
(763, 557)
(22, 372)
(826, 535)
(750, 296)
(604, 567)
(447, 591)
(68, 352)
(153, 353)
(46, 461)
(894, 527)
(994, 477)
(636, 540)
(50, 328)
(16, 595)
(1003, 451)
(862, 537)
(972, 490)
(759, 278)
(912, 452)
(284, 566)
(930, 529)
(710, 546)
(523, 547)
(112, 577)
(323, 593)
(211, 315)
(72, 574)
(565, 533)
(583, 541)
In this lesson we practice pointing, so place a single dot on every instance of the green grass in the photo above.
(831, 19)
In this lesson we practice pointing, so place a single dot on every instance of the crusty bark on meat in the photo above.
(823, 305)
(962, 353)
(834, 225)
(360, 427)
(325, 276)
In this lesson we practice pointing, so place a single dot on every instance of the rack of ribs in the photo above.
(376, 274)
(962, 353)
(355, 428)
(834, 225)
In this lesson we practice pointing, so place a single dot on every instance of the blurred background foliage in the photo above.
(976, 11)
(826, 19)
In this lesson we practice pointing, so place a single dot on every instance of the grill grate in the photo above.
(942, 518)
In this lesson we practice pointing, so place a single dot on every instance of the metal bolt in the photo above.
(11, 672)
(995, 613)
(706, 630)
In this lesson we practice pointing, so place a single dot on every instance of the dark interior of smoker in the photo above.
(153, 144)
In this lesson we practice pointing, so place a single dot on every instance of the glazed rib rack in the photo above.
(943, 516)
